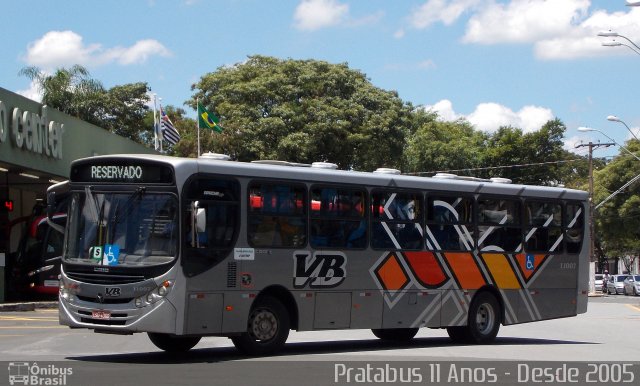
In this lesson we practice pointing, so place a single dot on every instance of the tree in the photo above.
(121, 109)
(618, 219)
(69, 90)
(539, 150)
(444, 146)
(304, 111)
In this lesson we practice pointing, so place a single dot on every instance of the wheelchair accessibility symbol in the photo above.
(529, 265)
(111, 253)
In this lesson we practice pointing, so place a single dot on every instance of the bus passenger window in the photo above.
(499, 224)
(276, 215)
(397, 220)
(450, 223)
(543, 232)
(574, 227)
(338, 218)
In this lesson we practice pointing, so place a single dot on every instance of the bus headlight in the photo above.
(155, 295)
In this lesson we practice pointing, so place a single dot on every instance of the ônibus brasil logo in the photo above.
(24, 373)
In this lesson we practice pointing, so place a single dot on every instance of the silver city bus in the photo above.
(184, 248)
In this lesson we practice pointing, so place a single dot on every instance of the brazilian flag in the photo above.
(207, 120)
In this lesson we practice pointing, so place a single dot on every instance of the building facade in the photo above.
(37, 145)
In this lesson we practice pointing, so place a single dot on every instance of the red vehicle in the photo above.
(35, 266)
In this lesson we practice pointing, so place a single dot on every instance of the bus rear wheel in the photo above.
(484, 319)
(395, 334)
(267, 328)
(458, 334)
(172, 343)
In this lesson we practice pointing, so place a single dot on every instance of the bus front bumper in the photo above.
(118, 318)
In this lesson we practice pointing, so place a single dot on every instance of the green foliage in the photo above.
(444, 146)
(304, 111)
(618, 219)
(121, 109)
(510, 146)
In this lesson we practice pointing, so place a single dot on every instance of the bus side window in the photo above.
(276, 215)
(450, 223)
(543, 232)
(338, 218)
(573, 224)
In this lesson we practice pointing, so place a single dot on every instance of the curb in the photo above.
(29, 306)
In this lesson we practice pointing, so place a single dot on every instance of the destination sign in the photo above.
(124, 173)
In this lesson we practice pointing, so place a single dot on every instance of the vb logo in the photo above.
(323, 269)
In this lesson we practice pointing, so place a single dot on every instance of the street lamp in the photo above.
(584, 129)
(613, 118)
(610, 34)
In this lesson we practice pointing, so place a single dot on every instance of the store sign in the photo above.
(31, 131)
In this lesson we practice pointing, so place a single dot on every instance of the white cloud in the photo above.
(558, 30)
(490, 117)
(64, 48)
(521, 21)
(445, 111)
(311, 15)
(33, 92)
(446, 12)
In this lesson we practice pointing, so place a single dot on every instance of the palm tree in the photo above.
(71, 91)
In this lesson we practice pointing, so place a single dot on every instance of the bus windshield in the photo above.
(129, 229)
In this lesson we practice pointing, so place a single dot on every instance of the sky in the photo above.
(492, 62)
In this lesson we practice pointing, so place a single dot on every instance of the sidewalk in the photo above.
(27, 306)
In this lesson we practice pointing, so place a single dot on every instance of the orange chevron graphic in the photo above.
(426, 268)
(465, 270)
(501, 270)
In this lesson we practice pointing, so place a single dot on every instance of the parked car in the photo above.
(598, 280)
(632, 285)
(615, 285)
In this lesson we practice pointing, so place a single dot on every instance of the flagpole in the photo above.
(155, 124)
(161, 139)
(198, 125)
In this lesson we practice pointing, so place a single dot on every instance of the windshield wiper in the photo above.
(127, 205)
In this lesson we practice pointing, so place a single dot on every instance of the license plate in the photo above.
(101, 314)
(51, 283)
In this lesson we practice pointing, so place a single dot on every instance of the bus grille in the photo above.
(105, 300)
(97, 278)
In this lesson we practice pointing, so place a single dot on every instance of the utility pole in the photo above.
(592, 260)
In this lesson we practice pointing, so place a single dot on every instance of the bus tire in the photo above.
(458, 334)
(395, 334)
(172, 343)
(484, 318)
(267, 328)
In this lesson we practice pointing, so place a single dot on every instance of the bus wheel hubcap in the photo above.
(264, 325)
(485, 318)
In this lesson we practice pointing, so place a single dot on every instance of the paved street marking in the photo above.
(633, 307)
(29, 319)
(29, 327)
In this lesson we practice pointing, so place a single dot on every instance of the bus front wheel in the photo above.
(173, 343)
(395, 334)
(267, 328)
(484, 319)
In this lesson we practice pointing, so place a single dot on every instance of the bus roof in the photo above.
(283, 170)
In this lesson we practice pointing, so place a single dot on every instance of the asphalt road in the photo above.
(608, 332)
